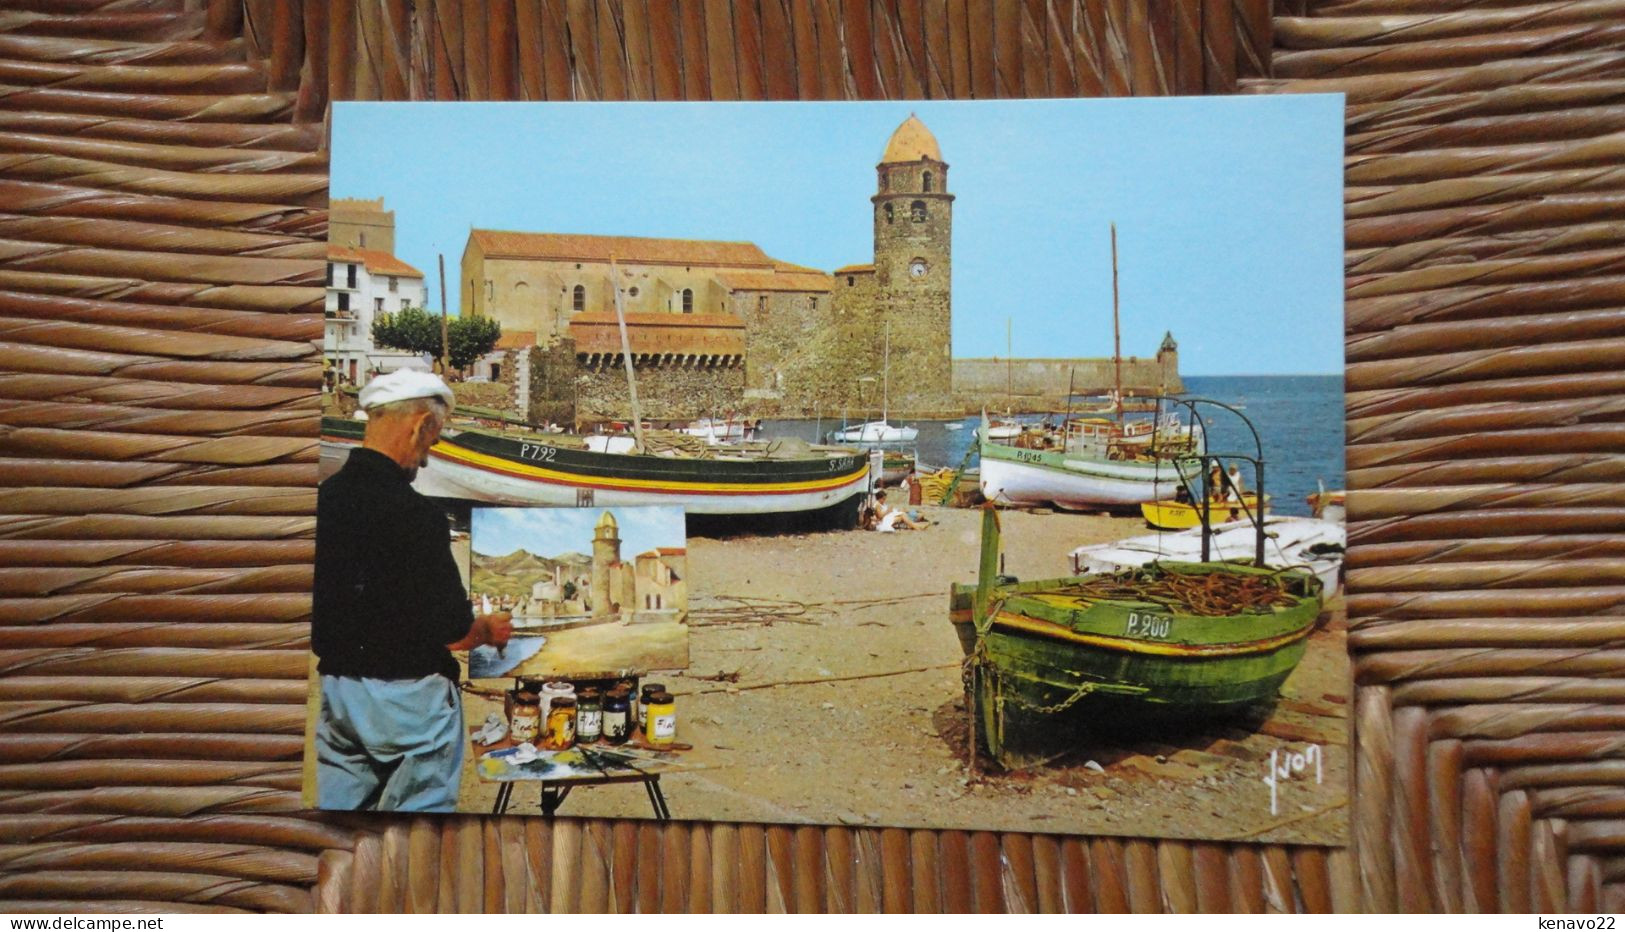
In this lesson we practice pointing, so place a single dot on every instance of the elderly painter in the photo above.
(389, 610)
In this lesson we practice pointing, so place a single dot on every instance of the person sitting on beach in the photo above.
(867, 519)
(888, 519)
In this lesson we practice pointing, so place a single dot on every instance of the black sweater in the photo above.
(388, 597)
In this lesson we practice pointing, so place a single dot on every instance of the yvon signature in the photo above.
(1284, 765)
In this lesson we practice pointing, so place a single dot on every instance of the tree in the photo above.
(411, 329)
(418, 331)
(471, 338)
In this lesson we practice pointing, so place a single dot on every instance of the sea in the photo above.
(1299, 419)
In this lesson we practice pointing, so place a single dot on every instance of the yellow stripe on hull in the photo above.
(466, 457)
(1178, 516)
(1132, 646)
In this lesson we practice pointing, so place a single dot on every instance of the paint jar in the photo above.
(561, 725)
(589, 715)
(662, 716)
(617, 717)
(644, 695)
(631, 689)
(525, 721)
(552, 691)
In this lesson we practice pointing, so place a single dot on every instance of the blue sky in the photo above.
(552, 532)
(1228, 209)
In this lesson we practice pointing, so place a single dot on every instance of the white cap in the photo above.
(403, 384)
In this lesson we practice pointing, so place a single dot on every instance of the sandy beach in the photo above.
(824, 687)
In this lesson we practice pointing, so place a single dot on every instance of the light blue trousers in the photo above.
(389, 744)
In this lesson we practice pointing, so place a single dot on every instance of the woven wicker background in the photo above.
(162, 216)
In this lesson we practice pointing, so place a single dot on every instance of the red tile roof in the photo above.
(638, 249)
(854, 269)
(377, 261)
(775, 281)
(703, 334)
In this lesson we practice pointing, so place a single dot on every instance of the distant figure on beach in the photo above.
(888, 519)
(1233, 483)
(1216, 488)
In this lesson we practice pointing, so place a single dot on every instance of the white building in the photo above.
(362, 283)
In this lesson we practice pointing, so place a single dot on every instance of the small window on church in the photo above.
(888, 213)
(579, 302)
(850, 281)
(917, 211)
(928, 182)
(761, 304)
(812, 301)
(688, 300)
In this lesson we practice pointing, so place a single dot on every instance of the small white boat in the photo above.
(1003, 430)
(1289, 541)
(880, 431)
(875, 432)
(956, 425)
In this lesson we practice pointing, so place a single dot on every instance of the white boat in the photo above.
(1003, 430)
(1089, 465)
(878, 431)
(1289, 541)
(875, 432)
(1091, 462)
(777, 477)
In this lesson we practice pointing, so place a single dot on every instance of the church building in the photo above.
(717, 328)
(714, 326)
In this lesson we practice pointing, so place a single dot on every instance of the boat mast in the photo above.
(1009, 379)
(626, 355)
(1117, 333)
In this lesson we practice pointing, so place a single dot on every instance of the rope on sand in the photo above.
(757, 610)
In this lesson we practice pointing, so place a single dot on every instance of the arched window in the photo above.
(928, 182)
(688, 300)
(888, 213)
(579, 302)
(916, 211)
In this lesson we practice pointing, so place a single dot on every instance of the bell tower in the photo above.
(913, 223)
(606, 553)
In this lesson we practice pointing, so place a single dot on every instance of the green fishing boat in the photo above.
(1050, 660)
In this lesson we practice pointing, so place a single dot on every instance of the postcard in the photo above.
(996, 448)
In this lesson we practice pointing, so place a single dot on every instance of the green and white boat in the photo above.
(1091, 463)
(1050, 659)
